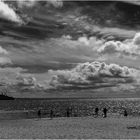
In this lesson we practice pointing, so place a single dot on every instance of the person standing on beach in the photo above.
(105, 112)
(51, 114)
(39, 113)
(125, 113)
(96, 111)
(68, 112)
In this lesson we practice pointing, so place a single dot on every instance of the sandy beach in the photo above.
(80, 127)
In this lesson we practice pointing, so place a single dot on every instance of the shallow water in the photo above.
(79, 107)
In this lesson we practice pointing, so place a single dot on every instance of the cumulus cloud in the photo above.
(7, 78)
(92, 75)
(6, 12)
(84, 40)
(67, 37)
(91, 41)
(129, 47)
(15, 80)
(27, 82)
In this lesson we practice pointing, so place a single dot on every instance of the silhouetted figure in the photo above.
(39, 113)
(105, 112)
(51, 114)
(71, 112)
(68, 112)
(96, 111)
(125, 113)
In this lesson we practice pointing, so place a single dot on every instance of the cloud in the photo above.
(24, 80)
(67, 37)
(3, 51)
(27, 82)
(31, 3)
(27, 3)
(84, 40)
(8, 76)
(15, 80)
(91, 41)
(127, 47)
(136, 39)
(8, 13)
(95, 74)
(5, 61)
(56, 3)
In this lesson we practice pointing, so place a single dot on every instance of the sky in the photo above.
(55, 46)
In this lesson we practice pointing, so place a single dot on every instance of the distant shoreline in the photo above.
(53, 99)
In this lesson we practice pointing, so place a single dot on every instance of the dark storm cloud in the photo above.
(74, 17)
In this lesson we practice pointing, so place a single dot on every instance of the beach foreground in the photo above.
(79, 127)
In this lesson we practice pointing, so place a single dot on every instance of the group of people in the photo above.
(105, 110)
(52, 114)
(69, 112)
(39, 113)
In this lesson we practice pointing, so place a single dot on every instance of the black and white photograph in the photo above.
(69, 69)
